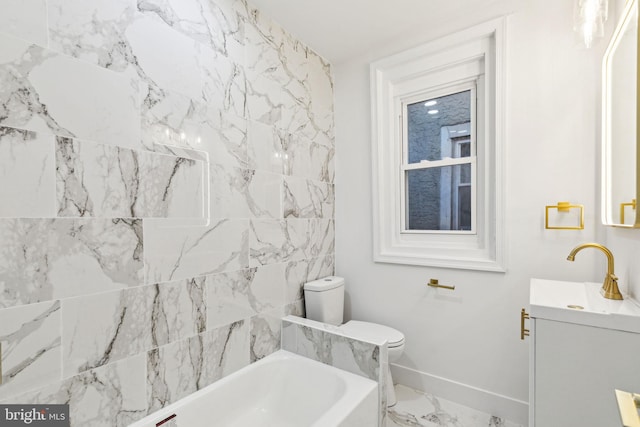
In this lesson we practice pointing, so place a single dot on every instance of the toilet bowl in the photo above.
(324, 302)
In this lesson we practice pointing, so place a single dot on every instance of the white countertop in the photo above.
(550, 299)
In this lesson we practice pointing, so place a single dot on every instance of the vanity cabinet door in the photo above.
(576, 369)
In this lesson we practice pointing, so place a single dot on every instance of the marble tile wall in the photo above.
(166, 187)
(330, 345)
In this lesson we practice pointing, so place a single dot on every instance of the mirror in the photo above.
(620, 113)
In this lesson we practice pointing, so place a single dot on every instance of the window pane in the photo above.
(439, 198)
(434, 124)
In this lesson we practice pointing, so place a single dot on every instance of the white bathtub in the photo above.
(281, 390)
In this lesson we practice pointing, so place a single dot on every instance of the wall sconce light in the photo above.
(588, 19)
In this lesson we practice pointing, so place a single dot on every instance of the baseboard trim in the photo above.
(501, 406)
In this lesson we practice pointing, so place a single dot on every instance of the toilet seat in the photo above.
(375, 332)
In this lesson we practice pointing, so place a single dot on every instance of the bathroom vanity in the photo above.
(583, 347)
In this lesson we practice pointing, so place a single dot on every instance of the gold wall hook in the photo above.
(564, 207)
(434, 284)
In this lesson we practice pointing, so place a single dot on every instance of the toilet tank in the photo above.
(324, 300)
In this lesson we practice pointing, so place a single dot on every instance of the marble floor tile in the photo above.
(417, 409)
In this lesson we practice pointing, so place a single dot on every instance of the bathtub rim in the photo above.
(335, 415)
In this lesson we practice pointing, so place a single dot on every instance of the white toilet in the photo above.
(324, 302)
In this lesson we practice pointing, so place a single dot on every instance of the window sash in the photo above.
(469, 85)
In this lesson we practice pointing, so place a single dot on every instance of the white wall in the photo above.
(470, 337)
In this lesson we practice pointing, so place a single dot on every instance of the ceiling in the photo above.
(340, 29)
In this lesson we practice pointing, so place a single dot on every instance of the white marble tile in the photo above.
(99, 329)
(265, 147)
(224, 79)
(307, 85)
(111, 396)
(383, 380)
(268, 288)
(176, 252)
(244, 193)
(304, 198)
(172, 187)
(358, 357)
(313, 343)
(30, 99)
(167, 60)
(31, 347)
(171, 121)
(228, 144)
(319, 85)
(106, 181)
(26, 19)
(219, 24)
(308, 159)
(241, 294)
(92, 31)
(181, 368)
(274, 241)
(321, 238)
(328, 345)
(229, 297)
(266, 333)
(264, 71)
(26, 174)
(45, 259)
(296, 275)
(419, 409)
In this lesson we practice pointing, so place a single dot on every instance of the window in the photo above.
(439, 161)
(437, 164)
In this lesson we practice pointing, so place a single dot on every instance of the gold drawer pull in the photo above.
(434, 284)
(523, 332)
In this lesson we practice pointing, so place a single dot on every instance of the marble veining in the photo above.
(418, 409)
(307, 199)
(100, 329)
(31, 100)
(244, 193)
(182, 252)
(45, 259)
(31, 343)
(266, 333)
(274, 241)
(26, 171)
(106, 181)
(111, 396)
(326, 346)
(181, 368)
(220, 25)
(241, 294)
(277, 60)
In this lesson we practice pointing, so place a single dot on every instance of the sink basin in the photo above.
(582, 303)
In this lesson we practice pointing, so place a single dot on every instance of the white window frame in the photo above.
(473, 56)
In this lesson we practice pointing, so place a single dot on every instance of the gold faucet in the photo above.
(610, 286)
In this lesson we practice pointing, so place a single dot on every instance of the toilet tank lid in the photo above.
(324, 284)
